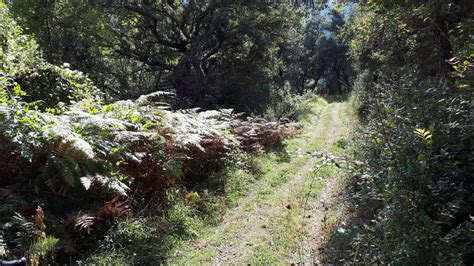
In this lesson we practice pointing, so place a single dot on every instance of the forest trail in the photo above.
(281, 223)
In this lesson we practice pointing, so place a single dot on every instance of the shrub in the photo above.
(285, 104)
(414, 188)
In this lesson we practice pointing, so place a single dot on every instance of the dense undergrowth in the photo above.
(410, 197)
(80, 176)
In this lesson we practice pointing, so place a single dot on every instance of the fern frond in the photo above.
(85, 222)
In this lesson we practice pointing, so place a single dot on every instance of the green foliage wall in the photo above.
(414, 88)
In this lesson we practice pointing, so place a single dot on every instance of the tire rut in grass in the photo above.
(264, 227)
(259, 220)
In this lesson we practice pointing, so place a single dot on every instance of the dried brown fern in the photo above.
(84, 222)
(39, 220)
(256, 134)
(88, 222)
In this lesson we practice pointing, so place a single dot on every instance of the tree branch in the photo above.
(153, 19)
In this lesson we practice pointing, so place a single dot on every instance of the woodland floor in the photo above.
(287, 212)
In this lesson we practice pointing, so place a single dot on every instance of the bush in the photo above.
(285, 104)
(413, 191)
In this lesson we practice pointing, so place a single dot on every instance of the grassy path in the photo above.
(281, 216)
